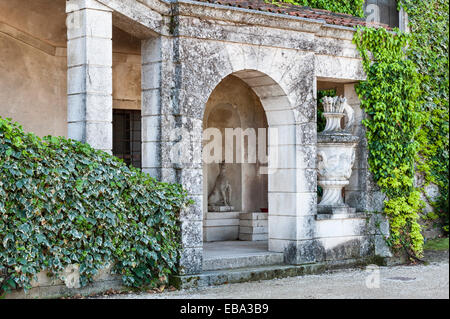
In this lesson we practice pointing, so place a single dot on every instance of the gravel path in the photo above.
(405, 282)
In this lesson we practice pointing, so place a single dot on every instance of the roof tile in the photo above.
(341, 19)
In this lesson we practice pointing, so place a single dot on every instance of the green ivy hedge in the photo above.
(64, 203)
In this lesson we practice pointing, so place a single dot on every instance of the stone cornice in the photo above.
(156, 15)
(246, 16)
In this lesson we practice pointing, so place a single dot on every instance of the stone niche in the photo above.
(234, 105)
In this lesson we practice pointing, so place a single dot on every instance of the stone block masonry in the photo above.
(254, 226)
(221, 226)
(89, 73)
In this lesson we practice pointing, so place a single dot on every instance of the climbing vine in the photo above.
(390, 98)
(429, 52)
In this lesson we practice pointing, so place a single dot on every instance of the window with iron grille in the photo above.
(127, 136)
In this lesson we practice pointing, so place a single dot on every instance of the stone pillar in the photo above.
(151, 109)
(293, 187)
(170, 140)
(89, 73)
(293, 199)
(403, 21)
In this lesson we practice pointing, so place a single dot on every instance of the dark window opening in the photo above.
(388, 13)
(127, 136)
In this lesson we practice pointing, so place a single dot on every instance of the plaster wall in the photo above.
(32, 87)
(33, 66)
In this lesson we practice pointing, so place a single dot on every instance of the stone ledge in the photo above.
(260, 259)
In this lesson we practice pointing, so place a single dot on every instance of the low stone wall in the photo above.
(67, 284)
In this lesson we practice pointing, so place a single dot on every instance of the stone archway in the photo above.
(284, 81)
(235, 111)
(282, 170)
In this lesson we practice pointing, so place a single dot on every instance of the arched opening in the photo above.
(237, 118)
(234, 106)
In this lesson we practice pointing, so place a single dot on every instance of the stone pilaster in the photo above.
(189, 173)
(362, 193)
(170, 141)
(89, 73)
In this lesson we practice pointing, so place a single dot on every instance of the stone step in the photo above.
(220, 233)
(257, 259)
(228, 215)
(245, 274)
(228, 276)
(220, 222)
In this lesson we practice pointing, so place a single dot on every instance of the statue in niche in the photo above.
(220, 196)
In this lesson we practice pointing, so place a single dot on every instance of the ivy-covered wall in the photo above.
(429, 52)
(64, 203)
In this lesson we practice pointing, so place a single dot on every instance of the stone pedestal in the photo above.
(254, 226)
(221, 226)
(343, 235)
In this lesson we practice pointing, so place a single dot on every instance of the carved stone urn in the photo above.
(335, 154)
